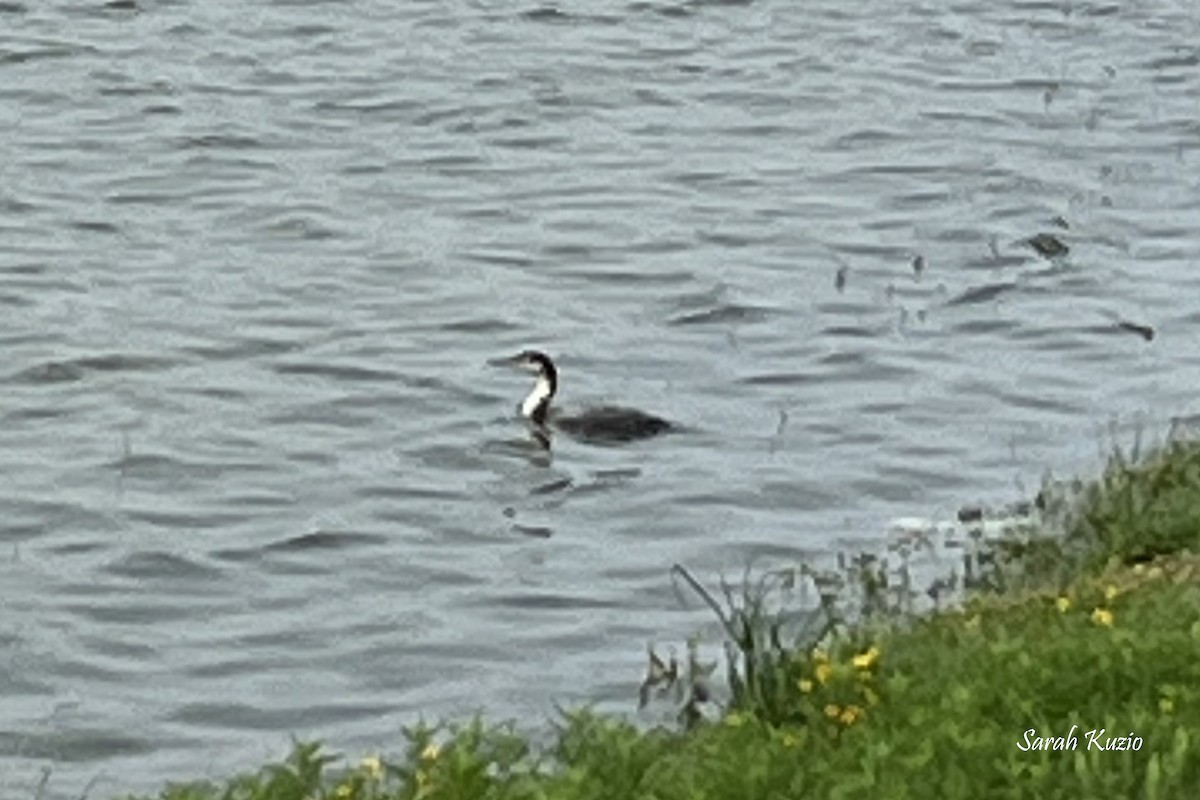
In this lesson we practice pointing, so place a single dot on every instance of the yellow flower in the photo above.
(832, 711)
(819, 656)
(1102, 616)
(866, 660)
(343, 792)
(430, 752)
(1166, 705)
(1110, 592)
(372, 766)
(805, 685)
(790, 739)
(735, 720)
(823, 673)
(852, 714)
(1063, 603)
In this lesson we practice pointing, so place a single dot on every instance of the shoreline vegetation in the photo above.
(1062, 663)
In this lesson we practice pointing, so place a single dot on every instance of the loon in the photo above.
(603, 424)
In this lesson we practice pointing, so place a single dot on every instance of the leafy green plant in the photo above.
(1143, 508)
(764, 659)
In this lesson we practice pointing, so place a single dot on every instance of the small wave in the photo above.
(723, 314)
(323, 540)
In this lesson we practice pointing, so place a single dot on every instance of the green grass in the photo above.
(1102, 631)
(1139, 510)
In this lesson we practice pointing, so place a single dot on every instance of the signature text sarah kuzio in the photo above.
(1095, 739)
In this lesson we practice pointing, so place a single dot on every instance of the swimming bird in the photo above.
(603, 424)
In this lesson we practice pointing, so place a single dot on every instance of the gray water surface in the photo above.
(256, 479)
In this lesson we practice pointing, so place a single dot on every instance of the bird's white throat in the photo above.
(541, 393)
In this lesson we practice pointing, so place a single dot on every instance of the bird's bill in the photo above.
(507, 361)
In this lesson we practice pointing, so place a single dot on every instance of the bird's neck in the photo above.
(537, 405)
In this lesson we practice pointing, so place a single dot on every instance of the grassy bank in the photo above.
(1092, 640)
